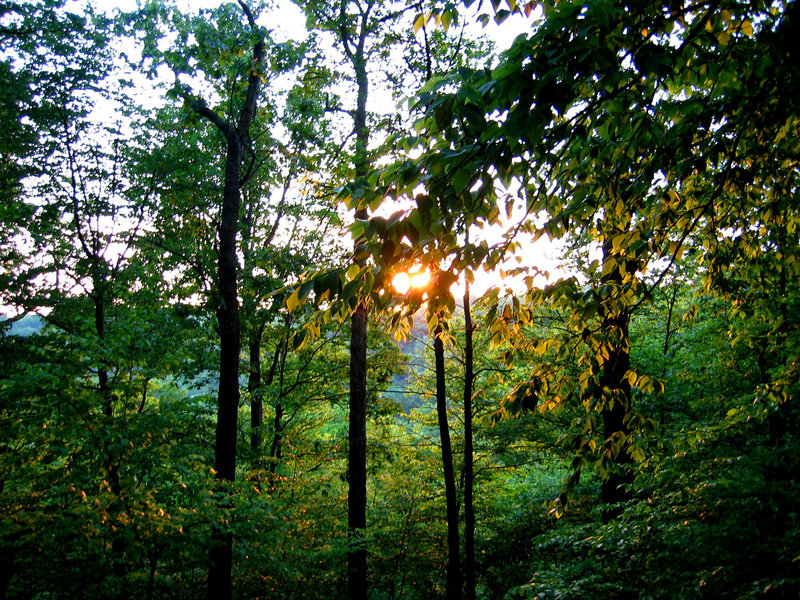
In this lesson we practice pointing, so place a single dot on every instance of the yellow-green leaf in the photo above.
(293, 301)
(353, 272)
(419, 23)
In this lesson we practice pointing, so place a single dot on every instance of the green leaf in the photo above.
(505, 70)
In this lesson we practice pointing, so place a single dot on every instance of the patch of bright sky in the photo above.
(287, 21)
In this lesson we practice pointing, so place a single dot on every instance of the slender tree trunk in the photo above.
(118, 544)
(278, 364)
(357, 431)
(7, 557)
(275, 452)
(254, 387)
(357, 457)
(469, 473)
(221, 551)
(613, 377)
(152, 558)
(668, 327)
(453, 590)
(221, 554)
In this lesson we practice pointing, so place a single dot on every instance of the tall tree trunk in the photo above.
(221, 552)
(278, 365)
(357, 457)
(469, 472)
(616, 366)
(275, 452)
(357, 431)
(118, 544)
(454, 581)
(8, 555)
(613, 377)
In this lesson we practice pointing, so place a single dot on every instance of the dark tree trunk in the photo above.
(278, 364)
(221, 555)
(469, 473)
(221, 552)
(357, 457)
(118, 544)
(254, 387)
(613, 489)
(7, 556)
(275, 452)
(357, 432)
(613, 377)
(453, 590)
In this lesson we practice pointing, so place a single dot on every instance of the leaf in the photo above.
(298, 339)
(617, 242)
(529, 8)
(447, 19)
(433, 84)
(505, 70)
(353, 272)
(443, 114)
(293, 301)
(419, 22)
(461, 180)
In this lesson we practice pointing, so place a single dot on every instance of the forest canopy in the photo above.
(375, 299)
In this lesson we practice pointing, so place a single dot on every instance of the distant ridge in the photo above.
(26, 326)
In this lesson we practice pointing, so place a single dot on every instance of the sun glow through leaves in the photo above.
(403, 281)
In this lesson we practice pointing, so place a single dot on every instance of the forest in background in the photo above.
(211, 387)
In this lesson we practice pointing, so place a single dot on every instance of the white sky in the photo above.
(290, 21)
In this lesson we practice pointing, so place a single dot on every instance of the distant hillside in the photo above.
(29, 325)
(413, 348)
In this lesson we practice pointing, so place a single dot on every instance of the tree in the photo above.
(469, 460)
(235, 127)
(79, 244)
(598, 122)
(454, 576)
(357, 29)
(299, 216)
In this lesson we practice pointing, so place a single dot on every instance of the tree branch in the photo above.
(199, 106)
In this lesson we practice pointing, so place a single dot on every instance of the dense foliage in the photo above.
(196, 211)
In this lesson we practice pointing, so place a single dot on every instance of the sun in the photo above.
(403, 282)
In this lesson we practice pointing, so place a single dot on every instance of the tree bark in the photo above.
(254, 387)
(221, 551)
(275, 452)
(613, 488)
(469, 472)
(118, 543)
(221, 555)
(357, 430)
(357, 457)
(278, 365)
(613, 377)
(454, 581)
